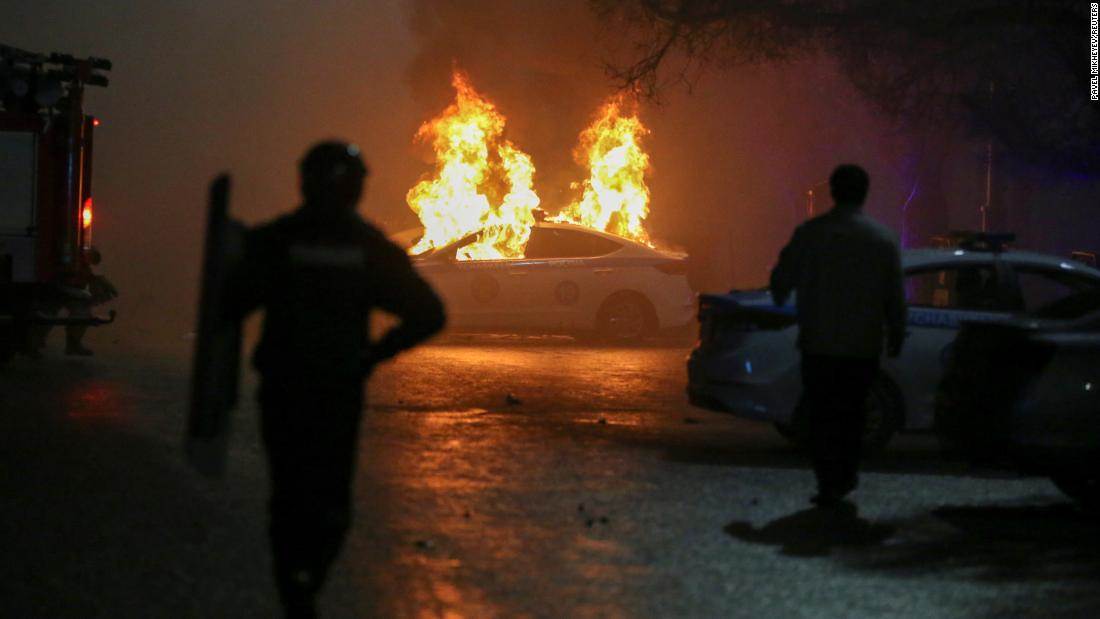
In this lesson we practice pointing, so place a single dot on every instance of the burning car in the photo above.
(502, 263)
(568, 279)
(746, 362)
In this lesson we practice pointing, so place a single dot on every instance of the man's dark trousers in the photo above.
(310, 431)
(834, 392)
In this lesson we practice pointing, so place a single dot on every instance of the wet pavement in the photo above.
(512, 477)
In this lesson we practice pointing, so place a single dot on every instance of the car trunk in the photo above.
(725, 319)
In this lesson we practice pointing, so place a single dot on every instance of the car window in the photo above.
(556, 243)
(449, 251)
(1055, 294)
(966, 287)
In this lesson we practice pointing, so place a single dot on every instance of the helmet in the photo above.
(333, 172)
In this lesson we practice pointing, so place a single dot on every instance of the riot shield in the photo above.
(216, 365)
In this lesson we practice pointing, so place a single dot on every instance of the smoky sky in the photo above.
(208, 86)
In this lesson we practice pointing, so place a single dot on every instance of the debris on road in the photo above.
(593, 520)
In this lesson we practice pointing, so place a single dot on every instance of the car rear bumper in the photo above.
(676, 307)
(712, 386)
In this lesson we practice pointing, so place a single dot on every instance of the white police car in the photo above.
(746, 362)
(572, 279)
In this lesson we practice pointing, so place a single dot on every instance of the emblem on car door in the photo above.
(484, 288)
(567, 292)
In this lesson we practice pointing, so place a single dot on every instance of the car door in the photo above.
(566, 277)
(940, 298)
(479, 294)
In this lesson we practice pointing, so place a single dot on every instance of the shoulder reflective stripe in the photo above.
(328, 255)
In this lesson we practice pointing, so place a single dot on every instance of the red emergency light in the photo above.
(86, 222)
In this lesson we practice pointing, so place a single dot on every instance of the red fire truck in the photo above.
(46, 205)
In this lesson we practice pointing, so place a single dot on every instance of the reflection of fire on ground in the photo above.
(483, 183)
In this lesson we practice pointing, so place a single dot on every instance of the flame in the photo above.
(615, 197)
(474, 166)
(483, 183)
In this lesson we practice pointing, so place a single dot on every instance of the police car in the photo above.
(746, 362)
(1022, 394)
(572, 279)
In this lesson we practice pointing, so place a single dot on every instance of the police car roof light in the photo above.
(1084, 257)
(984, 241)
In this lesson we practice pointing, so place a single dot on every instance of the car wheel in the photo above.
(626, 317)
(1083, 488)
(884, 419)
(884, 415)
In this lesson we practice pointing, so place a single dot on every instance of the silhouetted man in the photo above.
(318, 272)
(846, 271)
(78, 295)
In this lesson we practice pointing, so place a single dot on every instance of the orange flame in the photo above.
(473, 160)
(484, 184)
(615, 196)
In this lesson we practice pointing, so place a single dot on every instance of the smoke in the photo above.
(206, 86)
(537, 61)
(732, 159)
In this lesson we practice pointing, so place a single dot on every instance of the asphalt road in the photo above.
(511, 477)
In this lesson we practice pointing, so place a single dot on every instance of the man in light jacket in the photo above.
(845, 269)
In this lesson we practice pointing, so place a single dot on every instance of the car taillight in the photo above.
(672, 267)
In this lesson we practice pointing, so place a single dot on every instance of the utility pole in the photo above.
(811, 198)
(988, 173)
(988, 185)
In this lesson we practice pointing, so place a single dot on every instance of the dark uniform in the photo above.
(846, 270)
(318, 272)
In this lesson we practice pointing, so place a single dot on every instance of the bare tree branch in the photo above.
(925, 62)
